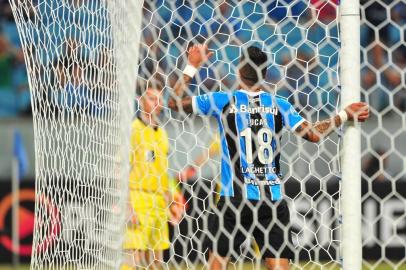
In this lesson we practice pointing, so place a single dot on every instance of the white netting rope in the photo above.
(79, 158)
(81, 60)
(383, 137)
(302, 40)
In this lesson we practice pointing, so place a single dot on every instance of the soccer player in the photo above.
(147, 233)
(250, 122)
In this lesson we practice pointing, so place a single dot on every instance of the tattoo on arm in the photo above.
(325, 127)
(315, 131)
(178, 102)
(302, 130)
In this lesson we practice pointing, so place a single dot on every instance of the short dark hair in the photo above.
(257, 62)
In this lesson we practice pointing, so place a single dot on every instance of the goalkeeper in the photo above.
(147, 233)
(250, 122)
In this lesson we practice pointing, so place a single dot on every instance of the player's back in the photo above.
(250, 126)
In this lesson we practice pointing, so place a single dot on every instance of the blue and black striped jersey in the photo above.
(250, 125)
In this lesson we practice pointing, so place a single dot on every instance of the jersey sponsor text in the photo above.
(255, 182)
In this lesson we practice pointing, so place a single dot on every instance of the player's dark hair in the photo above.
(256, 62)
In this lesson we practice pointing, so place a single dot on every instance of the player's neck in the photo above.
(148, 119)
(248, 88)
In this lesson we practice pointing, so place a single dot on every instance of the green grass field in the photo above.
(381, 266)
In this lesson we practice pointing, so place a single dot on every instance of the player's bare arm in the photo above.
(313, 132)
(197, 55)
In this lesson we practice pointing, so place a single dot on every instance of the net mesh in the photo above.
(302, 41)
(81, 57)
(383, 137)
(82, 66)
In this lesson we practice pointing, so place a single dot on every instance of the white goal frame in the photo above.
(351, 245)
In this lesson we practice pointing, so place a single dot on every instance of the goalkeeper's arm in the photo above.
(197, 55)
(313, 132)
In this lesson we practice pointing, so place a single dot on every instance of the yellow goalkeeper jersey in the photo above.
(149, 158)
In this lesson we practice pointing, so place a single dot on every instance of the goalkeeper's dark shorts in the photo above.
(235, 224)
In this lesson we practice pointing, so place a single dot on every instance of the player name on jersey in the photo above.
(260, 171)
(257, 122)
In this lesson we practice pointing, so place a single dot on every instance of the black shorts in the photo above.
(235, 222)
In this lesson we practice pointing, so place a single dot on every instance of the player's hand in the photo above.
(186, 174)
(358, 111)
(177, 208)
(198, 54)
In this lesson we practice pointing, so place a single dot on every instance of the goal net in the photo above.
(301, 39)
(82, 61)
(81, 58)
(384, 135)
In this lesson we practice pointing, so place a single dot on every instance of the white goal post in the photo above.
(351, 248)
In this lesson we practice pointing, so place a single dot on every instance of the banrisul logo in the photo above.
(253, 110)
(233, 109)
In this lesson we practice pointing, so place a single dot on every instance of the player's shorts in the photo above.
(236, 223)
(151, 230)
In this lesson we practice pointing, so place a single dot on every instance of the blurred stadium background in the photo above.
(383, 39)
